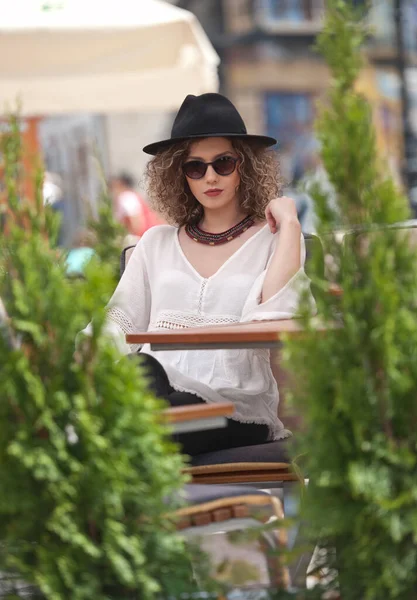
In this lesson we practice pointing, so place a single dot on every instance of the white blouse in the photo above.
(161, 290)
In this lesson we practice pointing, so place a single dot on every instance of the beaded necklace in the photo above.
(215, 239)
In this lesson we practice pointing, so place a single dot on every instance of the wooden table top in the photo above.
(240, 335)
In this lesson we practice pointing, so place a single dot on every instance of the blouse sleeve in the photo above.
(129, 308)
(284, 304)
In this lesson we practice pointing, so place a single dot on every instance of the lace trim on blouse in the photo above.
(181, 320)
(124, 323)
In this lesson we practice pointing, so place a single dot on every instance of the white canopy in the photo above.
(101, 56)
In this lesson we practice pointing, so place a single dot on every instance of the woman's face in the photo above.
(213, 191)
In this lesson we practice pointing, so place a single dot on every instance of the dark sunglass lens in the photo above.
(224, 166)
(194, 169)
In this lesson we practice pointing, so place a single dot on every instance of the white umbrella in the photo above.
(101, 56)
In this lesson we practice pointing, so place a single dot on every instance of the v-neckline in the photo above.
(226, 262)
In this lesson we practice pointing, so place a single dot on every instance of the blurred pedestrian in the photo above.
(130, 209)
(81, 252)
(53, 196)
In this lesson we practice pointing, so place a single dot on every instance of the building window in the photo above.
(410, 25)
(289, 119)
(381, 19)
(238, 15)
(290, 11)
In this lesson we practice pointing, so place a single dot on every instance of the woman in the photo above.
(233, 254)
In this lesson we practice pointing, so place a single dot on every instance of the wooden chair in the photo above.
(124, 257)
(264, 465)
(214, 513)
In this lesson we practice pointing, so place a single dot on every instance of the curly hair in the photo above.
(170, 195)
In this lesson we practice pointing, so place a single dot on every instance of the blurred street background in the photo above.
(257, 52)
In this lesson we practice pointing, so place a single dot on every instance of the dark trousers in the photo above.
(233, 435)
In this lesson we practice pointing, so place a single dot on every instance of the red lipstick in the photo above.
(213, 192)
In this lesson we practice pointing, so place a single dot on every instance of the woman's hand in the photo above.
(280, 211)
(286, 260)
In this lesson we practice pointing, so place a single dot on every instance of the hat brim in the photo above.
(157, 146)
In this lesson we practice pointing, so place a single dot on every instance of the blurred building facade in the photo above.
(275, 77)
(269, 69)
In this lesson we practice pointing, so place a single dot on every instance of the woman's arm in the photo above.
(129, 308)
(281, 214)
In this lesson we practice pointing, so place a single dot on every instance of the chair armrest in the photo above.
(181, 414)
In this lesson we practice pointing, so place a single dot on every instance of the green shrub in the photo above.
(86, 465)
(357, 386)
(109, 234)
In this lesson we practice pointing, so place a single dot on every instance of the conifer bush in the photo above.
(109, 234)
(356, 387)
(86, 464)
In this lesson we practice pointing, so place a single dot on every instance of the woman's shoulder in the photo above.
(159, 234)
(156, 242)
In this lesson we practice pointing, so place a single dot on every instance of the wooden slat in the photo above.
(184, 523)
(241, 511)
(238, 467)
(251, 499)
(222, 514)
(202, 519)
(249, 477)
(180, 414)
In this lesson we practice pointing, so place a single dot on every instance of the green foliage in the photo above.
(109, 234)
(86, 465)
(357, 385)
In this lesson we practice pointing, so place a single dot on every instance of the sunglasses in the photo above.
(196, 169)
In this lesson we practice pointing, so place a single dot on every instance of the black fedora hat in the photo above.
(208, 115)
